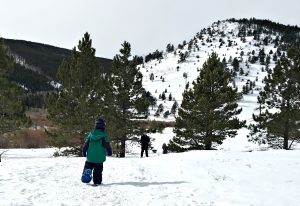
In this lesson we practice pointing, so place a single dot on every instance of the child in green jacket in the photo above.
(93, 150)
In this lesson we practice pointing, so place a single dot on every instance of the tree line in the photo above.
(205, 118)
(208, 112)
(12, 96)
(87, 92)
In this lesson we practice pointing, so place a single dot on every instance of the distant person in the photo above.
(165, 148)
(145, 139)
(93, 150)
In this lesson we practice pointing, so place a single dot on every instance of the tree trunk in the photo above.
(286, 129)
(286, 136)
(285, 142)
(207, 145)
(122, 150)
(207, 141)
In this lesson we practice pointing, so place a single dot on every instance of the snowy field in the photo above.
(205, 178)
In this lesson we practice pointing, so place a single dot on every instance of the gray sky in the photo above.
(147, 24)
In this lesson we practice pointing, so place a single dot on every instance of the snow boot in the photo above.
(86, 176)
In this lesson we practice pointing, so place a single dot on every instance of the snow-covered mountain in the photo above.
(230, 39)
(169, 73)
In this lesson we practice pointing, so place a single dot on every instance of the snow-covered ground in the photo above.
(223, 177)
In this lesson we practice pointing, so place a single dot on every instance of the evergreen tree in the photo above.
(224, 62)
(242, 31)
(163, 96)
(166, 114)
(183, 56)
(235, 64)
(207, 113)
(151, 76)
(268, 60)
(187, 85)
(127, 91)
(170, 97)
(282, 92)
(12, 106)
(241, 71)
(275, 57)
(139, 59)
(160, 108)
(152, 100)
(81, 97)
(170, 48)
(185, 75)
(174, 108)
(262, 56)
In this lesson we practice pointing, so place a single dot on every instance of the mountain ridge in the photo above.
(37, 63)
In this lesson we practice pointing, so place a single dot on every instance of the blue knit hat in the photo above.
(100, 123)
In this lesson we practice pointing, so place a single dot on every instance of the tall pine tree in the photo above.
(12, 106)
(207, 113)
(129, 96)
(81, 97)
(282, 97)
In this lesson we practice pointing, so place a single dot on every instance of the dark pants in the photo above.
(97, 171)
(144, 148)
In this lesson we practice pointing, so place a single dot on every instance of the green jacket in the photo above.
(94, 146)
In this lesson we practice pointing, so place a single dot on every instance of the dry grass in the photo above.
(39, 118)
(30, 138)
(34, 137)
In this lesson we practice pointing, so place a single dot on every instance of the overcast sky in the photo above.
(147, 24)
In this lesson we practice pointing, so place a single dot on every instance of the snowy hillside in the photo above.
(169, 74)
(229, 40)
(196, 178)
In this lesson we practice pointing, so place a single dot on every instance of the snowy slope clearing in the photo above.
(33, 177)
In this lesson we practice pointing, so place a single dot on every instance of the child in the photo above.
(93, 150)
(165, 148)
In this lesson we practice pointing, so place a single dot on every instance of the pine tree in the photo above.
(235, 64)
(224, 62)
(163, 96)
(281, 93)
(166, 114)
(170, 48)
(170, 97)
(152, 100)
(174, 108)
(262, 56)
(151, 76)
(160, 109)
(12, 106)
(127, 91)
(207, 113)
(81, 97)
(182, 57)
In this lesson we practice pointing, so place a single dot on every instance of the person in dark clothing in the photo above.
(93, 150)
(145, 139)
(165, 148)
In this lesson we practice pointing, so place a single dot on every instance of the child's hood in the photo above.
(96, 135)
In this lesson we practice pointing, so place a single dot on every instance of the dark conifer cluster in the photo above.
(12, 97)
(282, 94)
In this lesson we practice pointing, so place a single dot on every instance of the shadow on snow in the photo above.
(145, 184)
